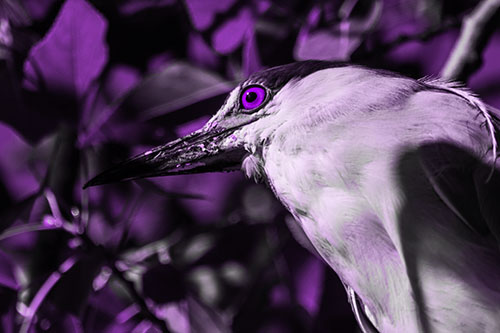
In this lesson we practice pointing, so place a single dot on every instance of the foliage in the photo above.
(87, 83)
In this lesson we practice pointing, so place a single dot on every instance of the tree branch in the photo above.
(129, 286)
(477, 29)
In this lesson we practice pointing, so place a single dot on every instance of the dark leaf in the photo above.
(200, 53)
(13, 11)
(72, 54)
(251, 57)
(175, 87)
(202, 12)
(163, 284)
(7, 277)
(8, 313)
(231, 34)
(128, 7)
(72, 291)
(326, 45)
(108, 311)
(204, 319)
(14, 169)
(37, 9)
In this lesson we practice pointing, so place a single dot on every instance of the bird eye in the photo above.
(253, 97)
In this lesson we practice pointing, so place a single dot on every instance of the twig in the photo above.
(421, 36)
(129, 285)
(42, 293)
(477, 29)
(384, 47)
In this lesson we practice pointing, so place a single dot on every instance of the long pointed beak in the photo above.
(198, 152)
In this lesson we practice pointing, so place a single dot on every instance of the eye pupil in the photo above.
(251, 96)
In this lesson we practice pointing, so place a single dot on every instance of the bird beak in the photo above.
(201, 151)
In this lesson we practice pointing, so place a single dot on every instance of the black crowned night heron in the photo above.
(394, 182)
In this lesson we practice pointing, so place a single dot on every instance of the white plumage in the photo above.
(332, 155)
(394, 182)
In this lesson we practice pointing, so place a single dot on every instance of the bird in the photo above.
(392, 181)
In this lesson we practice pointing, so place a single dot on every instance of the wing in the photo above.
(465, 184)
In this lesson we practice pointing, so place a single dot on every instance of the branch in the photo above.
(423, 36)
(477, 29)
(129, 286)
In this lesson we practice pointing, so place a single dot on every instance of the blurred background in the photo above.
(85, 84)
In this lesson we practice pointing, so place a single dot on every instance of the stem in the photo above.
(477, 29)
(129, 286)
(139, 300)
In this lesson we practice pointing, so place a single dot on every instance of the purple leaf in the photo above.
(7, 278)
(129, 7)
(202, 12)
(109, 312)
(9, 314)
(322, 44)
(216, 187)
(14, 169)
(309, 284)
(204, 319)
(325, 45)
(251, 58)
(120, 80)
(486, 81)
(72, 54)
(101, 103)
(38, 9)
(231, 34)
(177, 86)
(200, 53)
(410, 53)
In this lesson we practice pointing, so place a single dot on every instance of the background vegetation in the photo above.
(87, 83)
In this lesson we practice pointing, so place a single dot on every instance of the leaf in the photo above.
(109, 311)
(163, 284)
(338, 40)
(204, 319)
(325, 45)
(8, 313)
(200, 53)
(231, 34)
(202, 12)
(37, 9)
(177, 86)
(309, 284)
(129, 7)
(13, 11)
(216, 187)
(7, 277)
(72, 54)
(251, 58)
(14, 170)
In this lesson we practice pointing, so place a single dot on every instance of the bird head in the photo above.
(286, 96)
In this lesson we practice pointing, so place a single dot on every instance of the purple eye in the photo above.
(253, 97)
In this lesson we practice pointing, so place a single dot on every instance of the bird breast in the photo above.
(357, 189)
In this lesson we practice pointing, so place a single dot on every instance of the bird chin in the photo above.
(252, 167)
